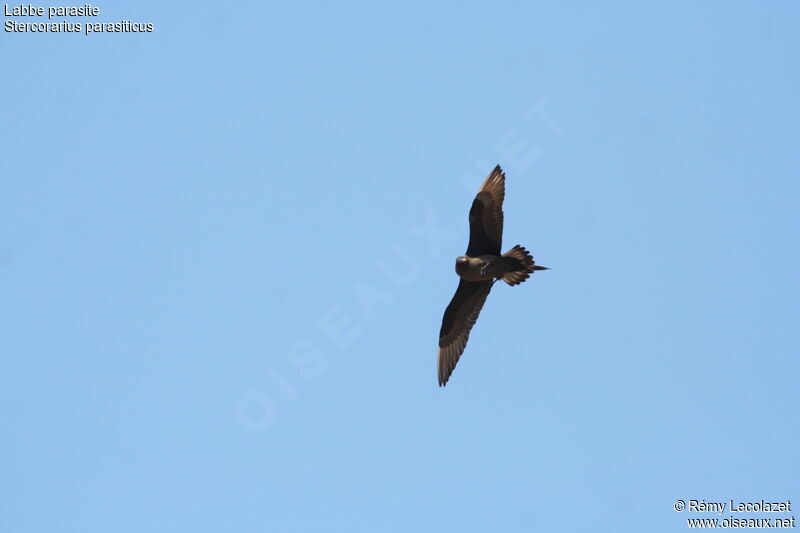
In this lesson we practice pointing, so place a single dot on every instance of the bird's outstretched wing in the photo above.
(459, 317)
(486, 216)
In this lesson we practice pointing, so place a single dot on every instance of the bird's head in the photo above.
(461, 263)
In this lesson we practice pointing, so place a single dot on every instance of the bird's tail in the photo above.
(520, 265)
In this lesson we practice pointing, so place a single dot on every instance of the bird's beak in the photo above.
(537, 267)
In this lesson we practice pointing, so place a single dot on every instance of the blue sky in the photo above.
(226, 247)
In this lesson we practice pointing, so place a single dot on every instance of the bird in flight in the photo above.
(479, 269)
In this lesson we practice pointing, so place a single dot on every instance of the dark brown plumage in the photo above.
(479, 269)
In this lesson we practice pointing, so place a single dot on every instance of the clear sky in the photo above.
(226, 247)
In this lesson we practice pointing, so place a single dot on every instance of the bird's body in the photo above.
(479, 269)
(487, 267)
